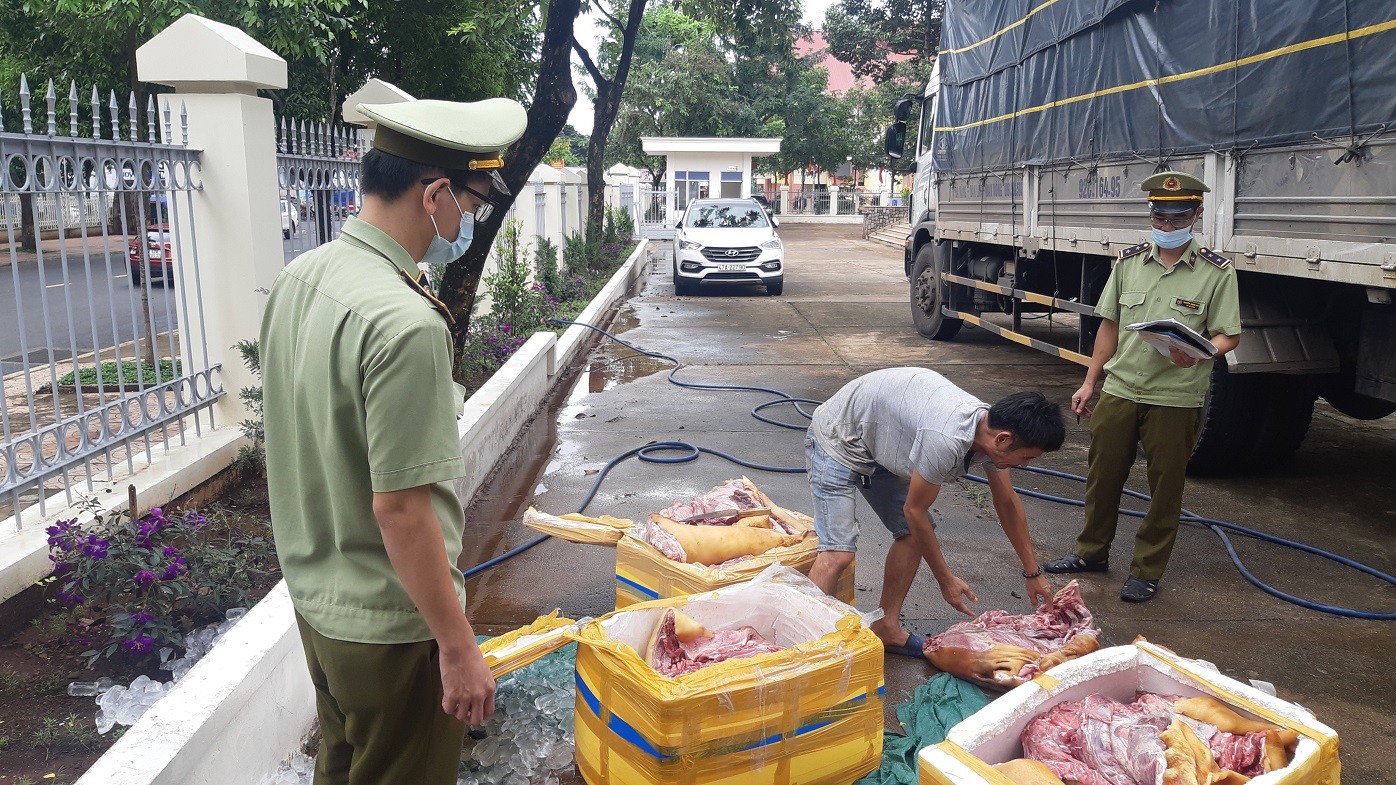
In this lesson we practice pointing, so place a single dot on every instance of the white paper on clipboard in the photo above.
(1165, 334)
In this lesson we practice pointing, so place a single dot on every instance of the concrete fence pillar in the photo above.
(833, 200)
(216, 71)
(785, 200)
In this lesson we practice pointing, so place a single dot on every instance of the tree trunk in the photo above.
(553, 97)
(28, 222)
(604, 112)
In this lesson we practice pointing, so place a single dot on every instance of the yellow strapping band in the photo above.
(989, 773)
(1176, 663)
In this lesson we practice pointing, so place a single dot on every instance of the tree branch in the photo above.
(609, 16)
(590, 66)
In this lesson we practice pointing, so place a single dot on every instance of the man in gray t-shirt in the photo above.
(897, 435)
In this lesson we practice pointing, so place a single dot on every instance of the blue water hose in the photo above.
(689, 452)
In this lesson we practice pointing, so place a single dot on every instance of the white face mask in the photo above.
(1172, 239)
(442, 251)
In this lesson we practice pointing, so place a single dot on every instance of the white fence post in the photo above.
(785, 200)
(833, 200)
(216, 71)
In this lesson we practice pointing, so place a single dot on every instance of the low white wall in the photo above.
(171, 472)
(819, 219)
(246, 706)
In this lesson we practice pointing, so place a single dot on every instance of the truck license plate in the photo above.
(732, 267)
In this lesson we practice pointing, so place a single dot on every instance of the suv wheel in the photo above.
(775, 287)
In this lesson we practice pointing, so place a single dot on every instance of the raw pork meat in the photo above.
(1016, 647)
(671, 657)
(731, 495)
(1100, 741)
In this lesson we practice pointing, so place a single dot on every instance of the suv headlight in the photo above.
(772, 244)
(689, 245)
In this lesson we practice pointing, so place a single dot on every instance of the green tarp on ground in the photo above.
(931, 711)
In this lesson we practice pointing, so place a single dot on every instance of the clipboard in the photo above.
(1165, 334)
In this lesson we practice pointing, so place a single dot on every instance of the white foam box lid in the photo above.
(992, 733)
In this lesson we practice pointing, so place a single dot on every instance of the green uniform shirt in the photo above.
(1199, 291)
(356, 381)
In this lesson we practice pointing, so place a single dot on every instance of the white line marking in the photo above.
(53, 286)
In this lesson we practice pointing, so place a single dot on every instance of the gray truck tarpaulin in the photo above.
(1045, 81)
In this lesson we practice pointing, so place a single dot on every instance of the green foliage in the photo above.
(68, 734)
(13, 682)
(252, 457)
(864, 33)
(150, 578)
(128, 373)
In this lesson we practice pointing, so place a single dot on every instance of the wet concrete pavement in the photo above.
(844, 313)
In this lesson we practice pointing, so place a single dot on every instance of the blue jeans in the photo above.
(832, 485)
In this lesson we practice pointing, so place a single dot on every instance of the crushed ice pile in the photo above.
(118, 705)
(528, 740)
(529, 737)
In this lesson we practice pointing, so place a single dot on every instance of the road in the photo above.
(94, 306)
(844, 313)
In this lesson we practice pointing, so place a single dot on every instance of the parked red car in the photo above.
(157, 246)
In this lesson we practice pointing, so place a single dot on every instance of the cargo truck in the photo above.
(1038, 123)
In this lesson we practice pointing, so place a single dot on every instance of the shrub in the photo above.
(154, 577)
(252, 457)
(545, 265)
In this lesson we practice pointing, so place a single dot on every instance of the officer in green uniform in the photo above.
(362, 451)
(1148, 398)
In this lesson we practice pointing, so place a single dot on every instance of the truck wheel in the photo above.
(926, 295)
(1287, 411)
(1354, 404)
(1230, 417)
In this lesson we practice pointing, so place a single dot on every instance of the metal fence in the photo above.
(318, 169)
(109, 292)
(658, 210)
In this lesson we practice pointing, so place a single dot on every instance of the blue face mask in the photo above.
(1171, 239)
(440, 251)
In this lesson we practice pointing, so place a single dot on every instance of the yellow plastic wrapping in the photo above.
(514, 649)
(808, 714)
(644, 574)
(1319, 768)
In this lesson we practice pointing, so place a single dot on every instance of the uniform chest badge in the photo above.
(1191, 305)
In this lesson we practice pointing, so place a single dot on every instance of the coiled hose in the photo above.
(688, 452)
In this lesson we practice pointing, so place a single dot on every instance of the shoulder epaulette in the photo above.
(1213, 257)
(1134, 250)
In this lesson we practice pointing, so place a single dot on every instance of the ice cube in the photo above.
(233, 614)
(559, 757)
(104, 721)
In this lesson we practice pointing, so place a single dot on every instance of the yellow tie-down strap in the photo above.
(513, 650)
(1322, 769)
(988, 773)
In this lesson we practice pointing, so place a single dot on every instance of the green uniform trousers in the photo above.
(1118, 427)
(380, 713)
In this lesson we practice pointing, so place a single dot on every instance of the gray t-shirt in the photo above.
(904, 420)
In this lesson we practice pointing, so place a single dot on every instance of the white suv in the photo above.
(727, 241)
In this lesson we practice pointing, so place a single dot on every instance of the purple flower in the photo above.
(144, 578)
(170, 550)
(139, 644)
(96, 547)
(60, 569)
(196, 519)
(69, 595)
(142, 618)
(173, 570)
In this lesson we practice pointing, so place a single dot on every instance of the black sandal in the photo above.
(1074, 563)
(1138, 590)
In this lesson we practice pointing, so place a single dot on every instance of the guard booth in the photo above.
(695, 167)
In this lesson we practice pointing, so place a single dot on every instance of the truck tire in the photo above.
(1354, 404)
(1251, 422)
(1231, 414)
(1287, 410)
(926, 294)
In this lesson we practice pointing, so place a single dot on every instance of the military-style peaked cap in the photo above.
(449, 134)
(1174, 192)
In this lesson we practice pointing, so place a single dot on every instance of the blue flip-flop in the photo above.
(915, 646)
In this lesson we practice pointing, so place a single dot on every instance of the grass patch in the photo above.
(113, 374)
(67, 734)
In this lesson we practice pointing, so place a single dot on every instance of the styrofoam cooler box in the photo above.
(991, 734)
